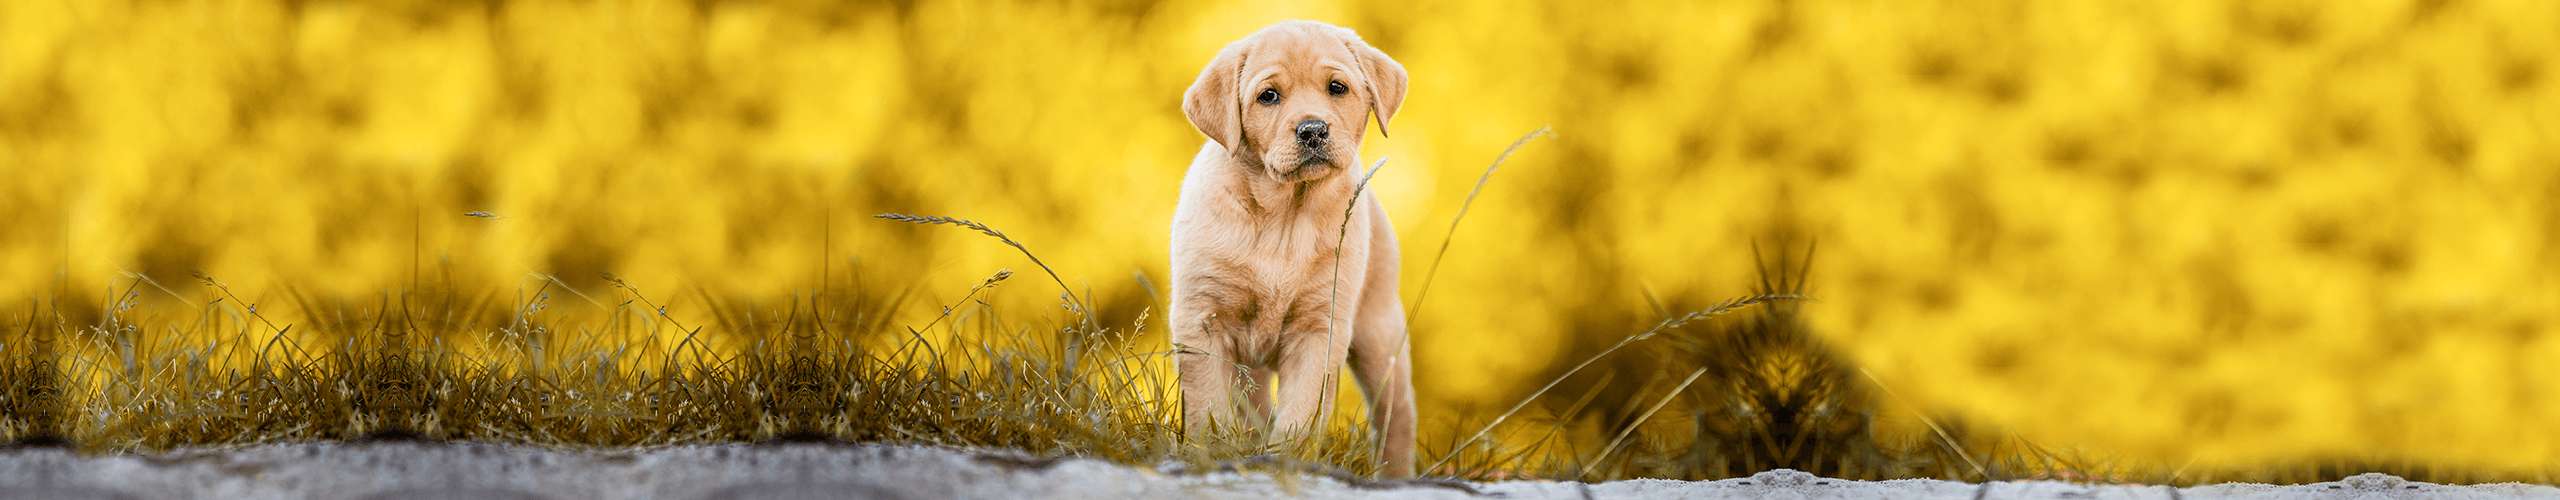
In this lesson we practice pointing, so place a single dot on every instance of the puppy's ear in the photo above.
(1212, 103)
(1385, 78)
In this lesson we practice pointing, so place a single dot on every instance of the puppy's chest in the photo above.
(1273, 282)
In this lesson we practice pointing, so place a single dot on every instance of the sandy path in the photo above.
(482, 471)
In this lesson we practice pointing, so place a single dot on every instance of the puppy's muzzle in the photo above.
(1313, 133)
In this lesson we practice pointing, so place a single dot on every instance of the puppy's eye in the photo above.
(1337, 88)
(1269, 96)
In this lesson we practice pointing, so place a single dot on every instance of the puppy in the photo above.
(1268, 277)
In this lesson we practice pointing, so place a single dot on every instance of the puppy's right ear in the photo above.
(1212, 102)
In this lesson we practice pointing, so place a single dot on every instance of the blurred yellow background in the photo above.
(2224, 232)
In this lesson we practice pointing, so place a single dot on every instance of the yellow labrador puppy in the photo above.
(1267, 277)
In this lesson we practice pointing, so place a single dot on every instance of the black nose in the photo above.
(1313, 131)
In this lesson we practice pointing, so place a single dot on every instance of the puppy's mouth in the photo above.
(1305, 164)
(1316, 158)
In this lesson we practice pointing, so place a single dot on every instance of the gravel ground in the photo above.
(496, 472)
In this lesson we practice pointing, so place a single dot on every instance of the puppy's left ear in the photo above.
(1385, 78)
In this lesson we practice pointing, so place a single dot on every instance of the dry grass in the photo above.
(1760, 391)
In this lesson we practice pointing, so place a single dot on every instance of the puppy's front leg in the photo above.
(1382, 360)
(1307, 380)
(1206, 368)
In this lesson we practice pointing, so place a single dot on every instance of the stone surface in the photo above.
(62, 493)
(434, 493)
(429, 471)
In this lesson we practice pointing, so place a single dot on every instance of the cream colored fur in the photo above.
(1260, 229)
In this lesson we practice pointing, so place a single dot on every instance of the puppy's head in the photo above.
(1294, 98)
